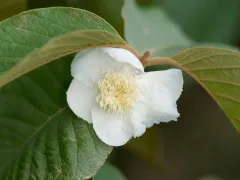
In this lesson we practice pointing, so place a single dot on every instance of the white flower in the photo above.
(111, 90)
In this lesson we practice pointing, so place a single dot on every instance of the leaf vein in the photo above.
(208, 56)
(59, 111)
(214, 68)
(45, 19)
(226, 97)
(220, 82)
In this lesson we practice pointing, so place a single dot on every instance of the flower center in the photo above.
(117, 92)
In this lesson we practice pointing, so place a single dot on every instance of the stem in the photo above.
(145, 57)
(131, 49)
(162, 60)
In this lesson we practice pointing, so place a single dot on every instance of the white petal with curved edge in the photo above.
(138, 115)
(172, 79)
(80, 99)
(159, 98)
(112, 129)
(88, 66)
(123, 55)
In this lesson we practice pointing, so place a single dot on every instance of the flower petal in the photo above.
(159, 96)
(172, 79)
(112, 129)
(123, 55)
(89, 65)
(80, 99)
(138, 115)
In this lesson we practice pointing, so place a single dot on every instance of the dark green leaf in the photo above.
(40, 138)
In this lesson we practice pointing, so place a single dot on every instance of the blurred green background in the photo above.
(203, 144)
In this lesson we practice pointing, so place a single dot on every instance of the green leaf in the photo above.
(108, 171)
(56, 48)
(149, 27)
(33, 29)
(177, 48)
(40, 138)
(206, 21)
(110, 10)
(218, 71)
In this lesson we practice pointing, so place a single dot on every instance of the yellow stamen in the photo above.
(117, 92)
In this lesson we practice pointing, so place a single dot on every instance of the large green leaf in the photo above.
(217, 70)
(33, 29)
(40, 138)
(59, 47)
(108, 171)
(149, 27)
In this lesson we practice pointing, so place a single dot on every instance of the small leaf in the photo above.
(40, 138)
(149, 27)
(108, 171)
